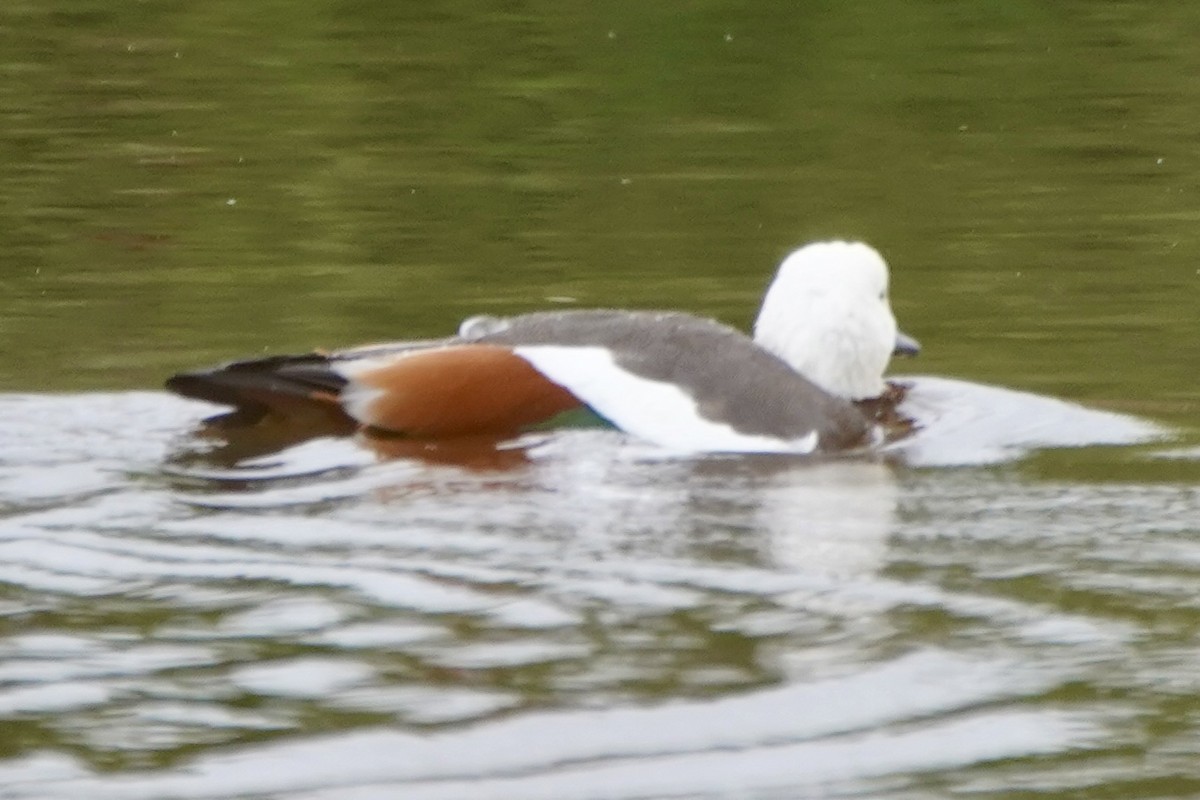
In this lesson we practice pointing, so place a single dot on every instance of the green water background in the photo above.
(185, 183)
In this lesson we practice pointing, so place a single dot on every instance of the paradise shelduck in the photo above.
(810, 379)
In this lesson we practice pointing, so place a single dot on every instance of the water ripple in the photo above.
(590, 620)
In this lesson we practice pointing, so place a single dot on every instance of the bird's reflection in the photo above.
(227, 444)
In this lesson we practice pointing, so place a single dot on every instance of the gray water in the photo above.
(585, 617)
(1004, 606)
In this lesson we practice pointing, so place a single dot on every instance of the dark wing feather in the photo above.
(281, 384)
(285, 386)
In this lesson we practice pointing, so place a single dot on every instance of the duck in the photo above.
(810, 378)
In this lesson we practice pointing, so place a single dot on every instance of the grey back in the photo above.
(731, 379)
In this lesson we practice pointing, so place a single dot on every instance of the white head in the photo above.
(827, 315)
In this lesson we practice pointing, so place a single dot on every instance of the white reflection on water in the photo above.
(966, 424)
(833, 521)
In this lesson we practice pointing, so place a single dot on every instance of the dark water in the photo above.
(987, 611)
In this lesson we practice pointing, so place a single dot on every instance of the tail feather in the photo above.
(283, 386)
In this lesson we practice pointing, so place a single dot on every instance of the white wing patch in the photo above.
(658, 412)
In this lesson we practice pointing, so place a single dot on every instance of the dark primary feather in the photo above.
(286, 386)
(276, 383)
